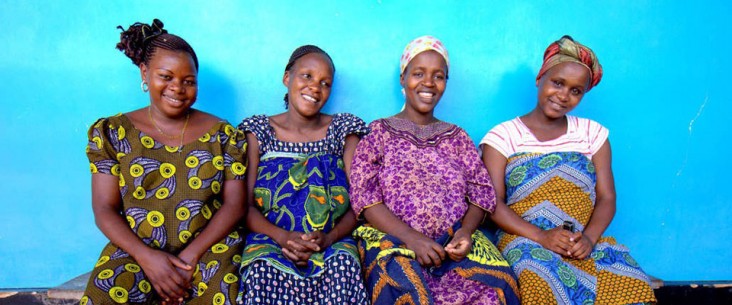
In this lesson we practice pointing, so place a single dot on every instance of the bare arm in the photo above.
(256, 222)
(461, 244)
(605, 188)
(427, 250)
(348, 150)
(473, 218)
(556, 239)
(604, 210)
(347, 222)
(293, 246)
(159, 266)
(506, 218)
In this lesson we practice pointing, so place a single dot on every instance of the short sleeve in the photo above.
(480, 190)
(499, 138)
(235, 146)
(259, 126)
(346, 124)
(101, 149)
(367, 163)
(596, 135)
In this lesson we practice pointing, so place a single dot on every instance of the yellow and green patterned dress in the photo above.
(168, 194)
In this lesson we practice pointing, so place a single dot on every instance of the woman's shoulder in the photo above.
(582, 120)
(254, 123)
(378, 125)
(349, 123)
(208, 117)
(346, 117)
(585, 124)
(114, 121)
(508, 124)
(449, 129)
(210, 122)
(505, 129)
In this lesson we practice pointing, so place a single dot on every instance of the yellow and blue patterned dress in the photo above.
(547, 189)
(169, 194)
(547, 183)
(302, 187)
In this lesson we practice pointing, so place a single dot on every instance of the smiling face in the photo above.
(308, 84)
(562, 88)
(424, 80)
(172, 79)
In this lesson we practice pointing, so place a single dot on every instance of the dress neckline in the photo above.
(209, 132)
(273, 134)
(419, 131)
(526, 131)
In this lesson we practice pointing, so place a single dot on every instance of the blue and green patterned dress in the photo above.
(302, 187)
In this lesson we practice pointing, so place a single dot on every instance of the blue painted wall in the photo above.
(662, 97)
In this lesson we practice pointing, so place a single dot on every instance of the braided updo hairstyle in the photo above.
(140, 41)
(300, 52)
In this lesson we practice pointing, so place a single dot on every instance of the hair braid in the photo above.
(140, 41)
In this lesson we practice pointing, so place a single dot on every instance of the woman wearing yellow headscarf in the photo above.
(421, 187)
(556, 195)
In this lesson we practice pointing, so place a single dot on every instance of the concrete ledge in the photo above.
(667, 292)
(656, 282)
(73, 289)
(31, 297)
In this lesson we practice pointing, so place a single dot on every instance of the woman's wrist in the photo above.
(140, 251)
(190, 257)
(593, 239)
(331, 237)
(279, 236)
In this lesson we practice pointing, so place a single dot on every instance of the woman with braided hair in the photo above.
(167, 186)
(550, 168)
(299, 250)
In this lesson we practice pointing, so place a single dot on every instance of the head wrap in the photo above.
(419, 45)
(567, 49)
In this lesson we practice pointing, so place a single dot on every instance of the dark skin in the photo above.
(560, 91)
(171, 77)
(308, 81)
(424, 81)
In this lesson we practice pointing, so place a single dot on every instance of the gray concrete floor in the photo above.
(32, 298)
(65, 294)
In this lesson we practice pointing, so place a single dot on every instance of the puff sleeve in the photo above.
(367, 163)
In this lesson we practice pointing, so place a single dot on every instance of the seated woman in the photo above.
(167, 186)
(549, 168)
(300, 250)
(421, 187)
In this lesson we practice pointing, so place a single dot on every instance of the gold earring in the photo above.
(143, 86)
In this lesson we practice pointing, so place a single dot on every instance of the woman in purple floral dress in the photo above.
(423, 191)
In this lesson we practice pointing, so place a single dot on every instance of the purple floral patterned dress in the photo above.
(427, 176)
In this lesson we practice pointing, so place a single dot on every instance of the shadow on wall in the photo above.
(217, 95)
